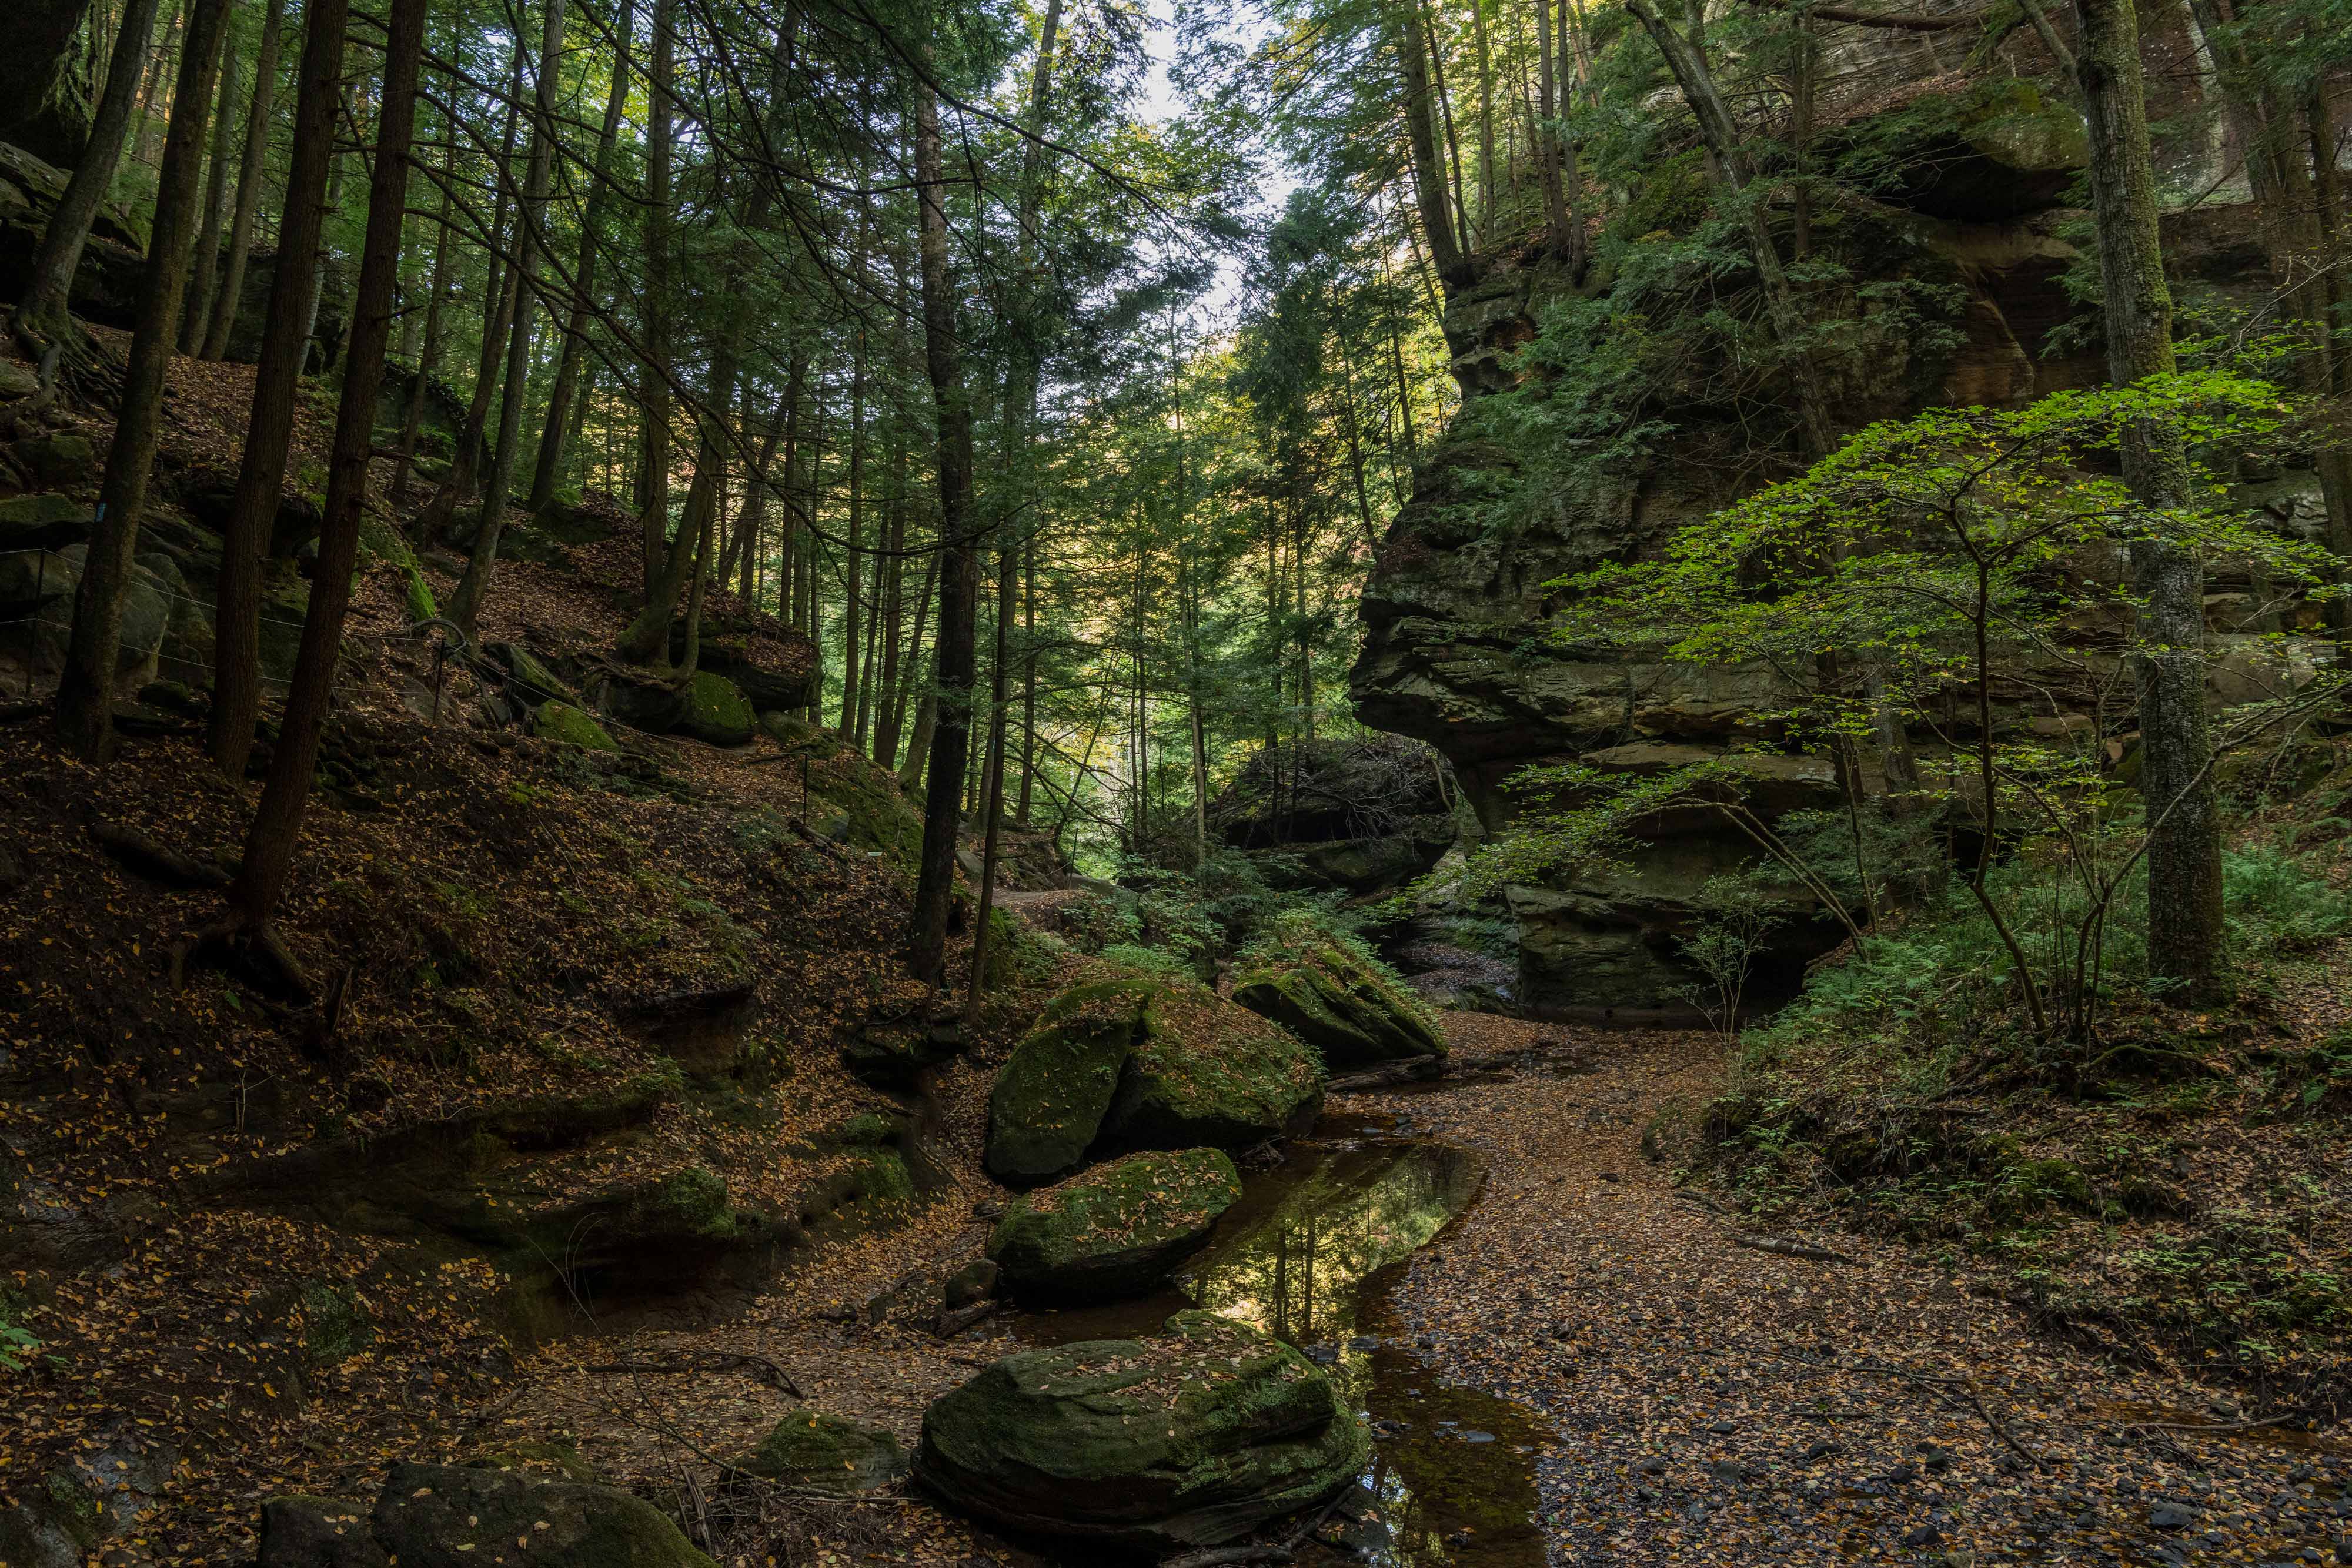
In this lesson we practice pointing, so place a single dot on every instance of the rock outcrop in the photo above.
(444, 1516)
(1361, 816)
(1971, 240)
(1331, 997)
(1187, 1440)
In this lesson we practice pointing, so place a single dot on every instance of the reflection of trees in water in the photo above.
(1294, 1269)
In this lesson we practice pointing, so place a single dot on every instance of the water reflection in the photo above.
(1306, 1255)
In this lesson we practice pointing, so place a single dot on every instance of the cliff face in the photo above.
(1457, 610)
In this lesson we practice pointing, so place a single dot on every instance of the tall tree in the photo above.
(2184, 854)
(204, 274)
(42, 321)
(276, 829)
(567, 360)
(251, 169)
(951, 738)
(465, 603)
(270, 427)
(86, 693)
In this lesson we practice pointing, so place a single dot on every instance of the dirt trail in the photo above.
(1718, 1404)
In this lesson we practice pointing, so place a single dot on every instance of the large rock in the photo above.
(1144, 1062)
(851, 797)
(1357, 815)
(716, 712)
(1188, 1440)
(299, 1531)
(436, 1516)
(1205, 1073)
(1327, 994)
(563, 722)
(1052, 1093)
(817, 1452)
(1115, 1230)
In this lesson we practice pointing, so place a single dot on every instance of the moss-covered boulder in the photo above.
(1207, 1073)
(1329, 996)
(1145, 1062)
(852, 799)
(562, 721)
(717, 712)
(817, 1452)
(1052, 1093)
(1115, 1230)
(1187, 1440)
(528, 676)
(299, 1531)
(436, 1516)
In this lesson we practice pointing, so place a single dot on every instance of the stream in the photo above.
(1310, 1254)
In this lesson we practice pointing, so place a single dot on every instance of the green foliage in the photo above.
(1152, 960)
(17, 1342)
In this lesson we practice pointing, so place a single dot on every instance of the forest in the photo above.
(1443, 783)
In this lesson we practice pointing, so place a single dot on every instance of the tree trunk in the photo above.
(2184, 854)
(652, 383)
(497, 288)
(1428, 180)
(261, 474)
(42, 318)
(205, 273)
(277, 820)
(251, 170)
(951, 737)
(1724, 141)
(465, 603)
(583, 274)
(86, 694)
(428, 361)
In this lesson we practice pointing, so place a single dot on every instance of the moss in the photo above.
(1207, 1073)
(716, 711)
(815, 1450)
(699, 1198)
(335, 1327)
(1118, 1229)
(1052, 1093)
(569, 726)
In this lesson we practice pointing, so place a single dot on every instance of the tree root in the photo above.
(253, 954)
(67, 360)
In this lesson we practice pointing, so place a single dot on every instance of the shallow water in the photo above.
(1308, 1254)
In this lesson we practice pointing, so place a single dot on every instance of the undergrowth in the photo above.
(2171, 1187)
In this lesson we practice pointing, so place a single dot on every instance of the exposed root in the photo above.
(252, 953)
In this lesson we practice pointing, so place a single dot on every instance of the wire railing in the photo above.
(43, 597)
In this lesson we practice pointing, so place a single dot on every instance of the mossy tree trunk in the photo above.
(2184, 855)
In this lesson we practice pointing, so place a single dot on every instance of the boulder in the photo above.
(1327, 994)
(870, 808)
(299, 1531)
(817, 1452)
(1115, 1230)
(634, 702)
(1183, 1441)
(1144, 1062)
(1205, 1073)
(1052, 1093)
(40, 584)
(890, 1052)
(563, 722)
(527, 678)
(716, 712)
(55, 461)
(437, 1516)
(768, 690)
